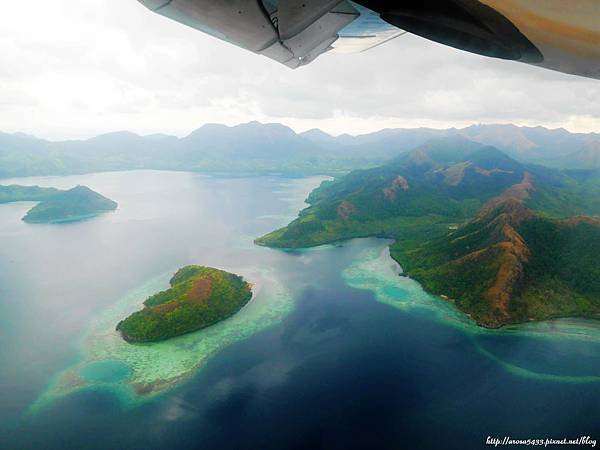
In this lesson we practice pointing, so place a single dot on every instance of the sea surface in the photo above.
(335, 351)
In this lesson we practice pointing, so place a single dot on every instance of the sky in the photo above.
(75, 69)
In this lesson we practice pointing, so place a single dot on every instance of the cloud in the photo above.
(72, 69)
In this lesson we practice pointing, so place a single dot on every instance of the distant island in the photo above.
(199, 297)
(506, 242)
(75, 204)
(16, 193)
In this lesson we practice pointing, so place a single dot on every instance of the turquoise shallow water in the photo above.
(375, 271)
(145, 370)
(334, 351)
(101, 360)
(105, 371)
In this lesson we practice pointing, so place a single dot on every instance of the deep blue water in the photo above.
(341, 370)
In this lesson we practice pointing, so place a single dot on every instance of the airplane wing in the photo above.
(555, 34)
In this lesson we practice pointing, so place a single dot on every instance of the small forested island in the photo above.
(506, 242)
(199, 297)
(74, 204)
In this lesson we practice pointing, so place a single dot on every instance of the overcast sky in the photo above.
(71, 68)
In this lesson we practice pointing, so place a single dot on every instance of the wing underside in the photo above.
(558, 35)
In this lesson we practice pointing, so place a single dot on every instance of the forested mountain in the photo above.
(508, 241)
(512, 264)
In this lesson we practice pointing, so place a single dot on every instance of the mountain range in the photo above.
(274, 148)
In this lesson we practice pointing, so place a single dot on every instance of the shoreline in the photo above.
(441, 297)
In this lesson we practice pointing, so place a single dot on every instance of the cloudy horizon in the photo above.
(76, 70)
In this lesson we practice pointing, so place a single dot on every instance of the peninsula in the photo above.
(199, 297)
(505, 241)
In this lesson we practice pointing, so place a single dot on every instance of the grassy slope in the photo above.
(199, 296)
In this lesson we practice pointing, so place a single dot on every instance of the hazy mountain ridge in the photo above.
(259, 148)
(524, 143)
(586, 158)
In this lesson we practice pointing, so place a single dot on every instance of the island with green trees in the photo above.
(507, 242)
(75, 204)
(199, 296)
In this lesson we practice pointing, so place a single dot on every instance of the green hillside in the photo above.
(511, 265)
(468, 222)
(420, 193)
